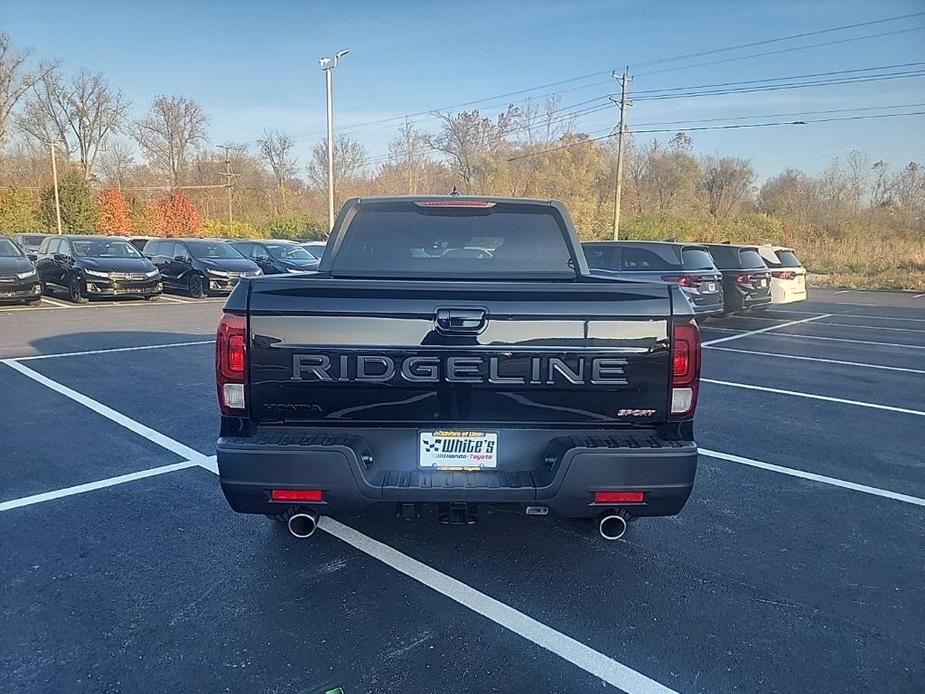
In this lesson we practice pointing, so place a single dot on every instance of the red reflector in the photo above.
(236, 353)
(296, 495)
(619, 497)
(680, 359)
(456, 203)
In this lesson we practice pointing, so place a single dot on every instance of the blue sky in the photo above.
(254, 64)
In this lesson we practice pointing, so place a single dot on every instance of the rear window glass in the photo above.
(602, 257)
(788, 259)
(642, 259)
(405, 239)
(750, 258)
(32, 239)
(696, 259)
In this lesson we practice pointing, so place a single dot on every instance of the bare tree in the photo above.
(173, 125)
(116, 160)
(726, 182)
(408, 152)
(78, 112)
(349, 160)
(468, 138)
(15, 78)
(276, 149)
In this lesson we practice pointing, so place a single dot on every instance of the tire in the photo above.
(34, 302)
(194, 286)
(75, 291)
(152, 297)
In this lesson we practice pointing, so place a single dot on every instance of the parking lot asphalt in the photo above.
(797, 565)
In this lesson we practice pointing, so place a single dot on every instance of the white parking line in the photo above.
(849, 340)
(99, 484)
(845, 291)
(55, 302)
(170, 444)
(556, 642)
(851, 315)
(841, 325)
(874, 327)
(172, 299)
(812, 396)
(918, 296)
(764, 330)
(834, 481)
(109, 351)
(820, 359)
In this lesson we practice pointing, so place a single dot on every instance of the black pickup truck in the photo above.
(456, 351)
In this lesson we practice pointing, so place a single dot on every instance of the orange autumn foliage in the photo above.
(114, 212)
(174, 215)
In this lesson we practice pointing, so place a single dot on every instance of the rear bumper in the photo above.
(564, 479)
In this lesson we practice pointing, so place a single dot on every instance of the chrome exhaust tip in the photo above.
(302, 525)
(613, 526)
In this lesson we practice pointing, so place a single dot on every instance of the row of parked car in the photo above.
(717, 278)
(83, 266)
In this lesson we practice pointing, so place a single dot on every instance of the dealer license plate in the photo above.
(711, 287)
(458, 450)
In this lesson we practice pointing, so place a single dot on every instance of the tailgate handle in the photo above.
(461, 320)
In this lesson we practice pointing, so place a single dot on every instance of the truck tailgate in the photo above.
(326, 351)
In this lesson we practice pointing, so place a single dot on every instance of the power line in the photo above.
(789, 77)
(778, 39)
(781, 51)
(735, 126)
(782, 115)
(785, 87)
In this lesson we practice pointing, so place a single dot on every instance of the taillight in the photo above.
(746, 278)
(681, 280)
(685, 369)
(784, 275)
(230, 359)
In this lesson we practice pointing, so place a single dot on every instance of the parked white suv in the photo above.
(788, 276)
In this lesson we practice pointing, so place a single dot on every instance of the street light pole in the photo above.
(54, 174)
(327, 66)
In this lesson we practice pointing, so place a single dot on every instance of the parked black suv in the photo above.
(19, 280)
(88, 266)
(277, 256)
(30, 242)
(688, 265)
(746, 279)
(199, 266)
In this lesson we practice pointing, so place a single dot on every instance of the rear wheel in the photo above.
(34, 302)
(195, 286)
(75, 291)
(152, 297)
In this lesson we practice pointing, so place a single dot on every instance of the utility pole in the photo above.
(54, 174)
(228, 175)
(623, 104)
(327, 66)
